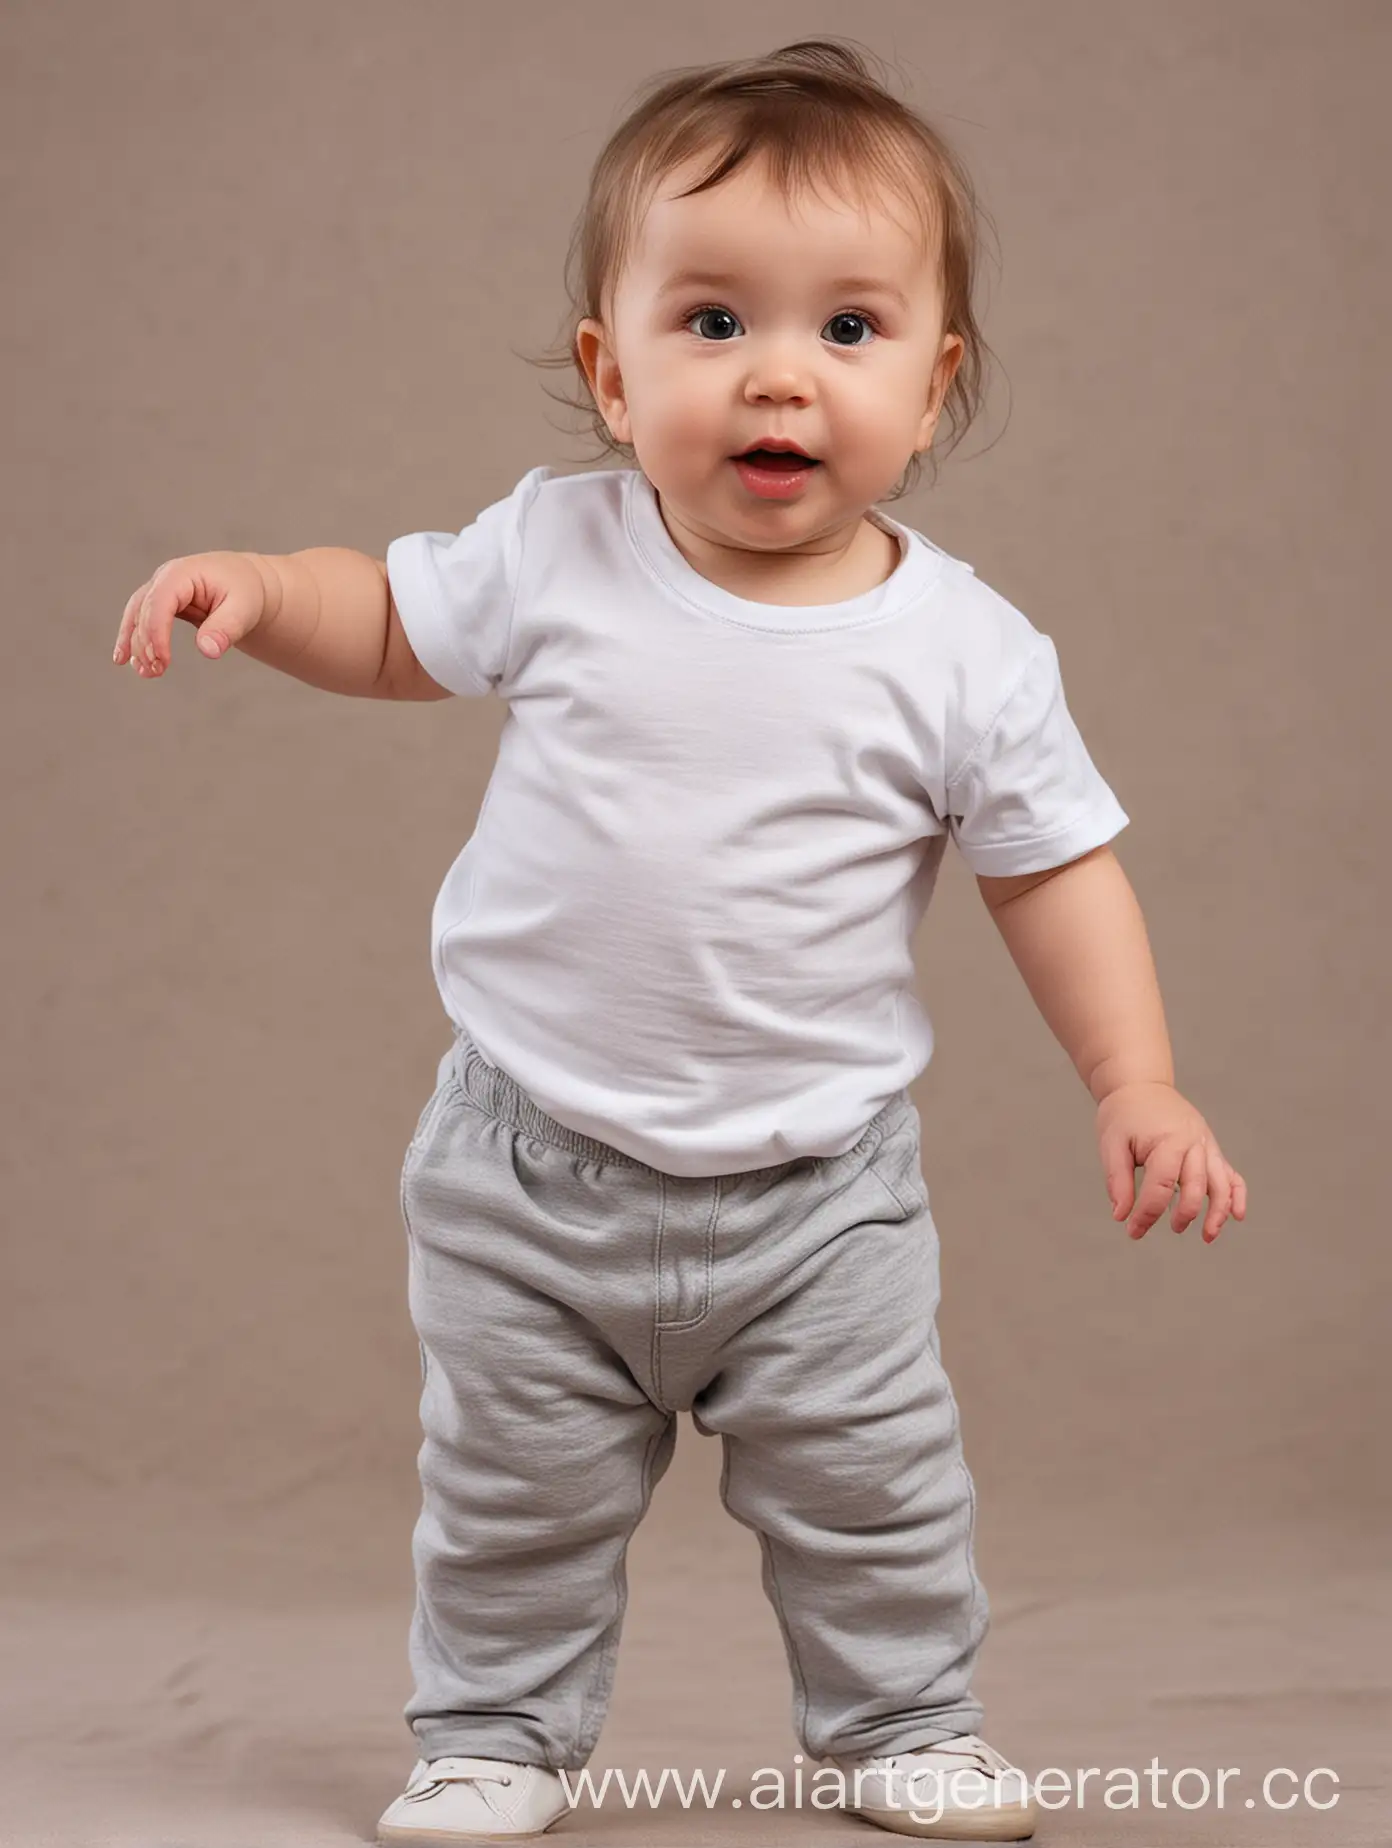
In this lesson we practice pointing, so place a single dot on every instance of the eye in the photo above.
(853, 315)
(840, 319)
(699, 314)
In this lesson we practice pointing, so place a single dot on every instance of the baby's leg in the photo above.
(541, 1450)
(843, 1453)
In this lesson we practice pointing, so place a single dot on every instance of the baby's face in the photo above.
(735, 319)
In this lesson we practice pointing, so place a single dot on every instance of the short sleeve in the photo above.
(455, 591)
(1028, 796)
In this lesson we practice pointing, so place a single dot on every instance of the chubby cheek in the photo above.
(861, 441)
(901, 406)
(689, 423)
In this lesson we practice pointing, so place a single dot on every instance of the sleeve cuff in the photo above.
(1100, 823)
(413, 591)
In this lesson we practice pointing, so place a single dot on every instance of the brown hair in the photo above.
(814, 110)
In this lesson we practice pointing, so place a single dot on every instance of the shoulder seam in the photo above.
(517, 580)
(1026, 664)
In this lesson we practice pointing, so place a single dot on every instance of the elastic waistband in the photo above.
(500, 1096)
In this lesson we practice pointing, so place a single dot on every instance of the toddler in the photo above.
(671, 1162)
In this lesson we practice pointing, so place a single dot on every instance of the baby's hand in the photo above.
(225, 588)
(1150, 1125)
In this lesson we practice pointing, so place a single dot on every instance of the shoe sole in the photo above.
(983, 1825)
(393, 1837)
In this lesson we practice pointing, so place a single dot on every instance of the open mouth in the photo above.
(778, 461)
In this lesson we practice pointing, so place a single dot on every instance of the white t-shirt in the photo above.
(683, 922)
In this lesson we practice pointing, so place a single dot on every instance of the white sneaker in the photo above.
(957, 1790)
(472, 1799)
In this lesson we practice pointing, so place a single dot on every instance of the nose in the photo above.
(778, 387)
(776, 374)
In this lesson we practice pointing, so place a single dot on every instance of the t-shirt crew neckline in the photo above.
(919, 564)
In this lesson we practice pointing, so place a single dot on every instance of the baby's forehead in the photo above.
(748, 227)
(873, 208)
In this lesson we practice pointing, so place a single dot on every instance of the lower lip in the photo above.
(774, 484)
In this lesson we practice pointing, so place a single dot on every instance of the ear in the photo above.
(953, 347)
(605, 380)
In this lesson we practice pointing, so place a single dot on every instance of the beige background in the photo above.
(266, 268)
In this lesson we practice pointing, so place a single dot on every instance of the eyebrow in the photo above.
(864, 285)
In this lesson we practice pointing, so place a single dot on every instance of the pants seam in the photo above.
(657, 1295)
(597, 1694)
(800, 1697)
(695, 1321)
(976, 1588)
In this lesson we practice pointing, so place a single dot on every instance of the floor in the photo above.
(221, 1710)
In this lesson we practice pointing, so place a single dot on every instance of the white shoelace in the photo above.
(967, 1752)
(457, 1771)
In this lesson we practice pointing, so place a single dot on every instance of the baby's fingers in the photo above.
(1223, 1183)
(1193, 1184)
(150, 615)
(129, 645)
(143, 639)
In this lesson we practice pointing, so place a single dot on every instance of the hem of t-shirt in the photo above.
(1097, 825)
(429, 639)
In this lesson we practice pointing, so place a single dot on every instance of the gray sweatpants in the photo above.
(570, 1300)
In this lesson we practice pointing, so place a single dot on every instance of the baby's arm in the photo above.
(1078, 938)
(326, 616)
(331, 620)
